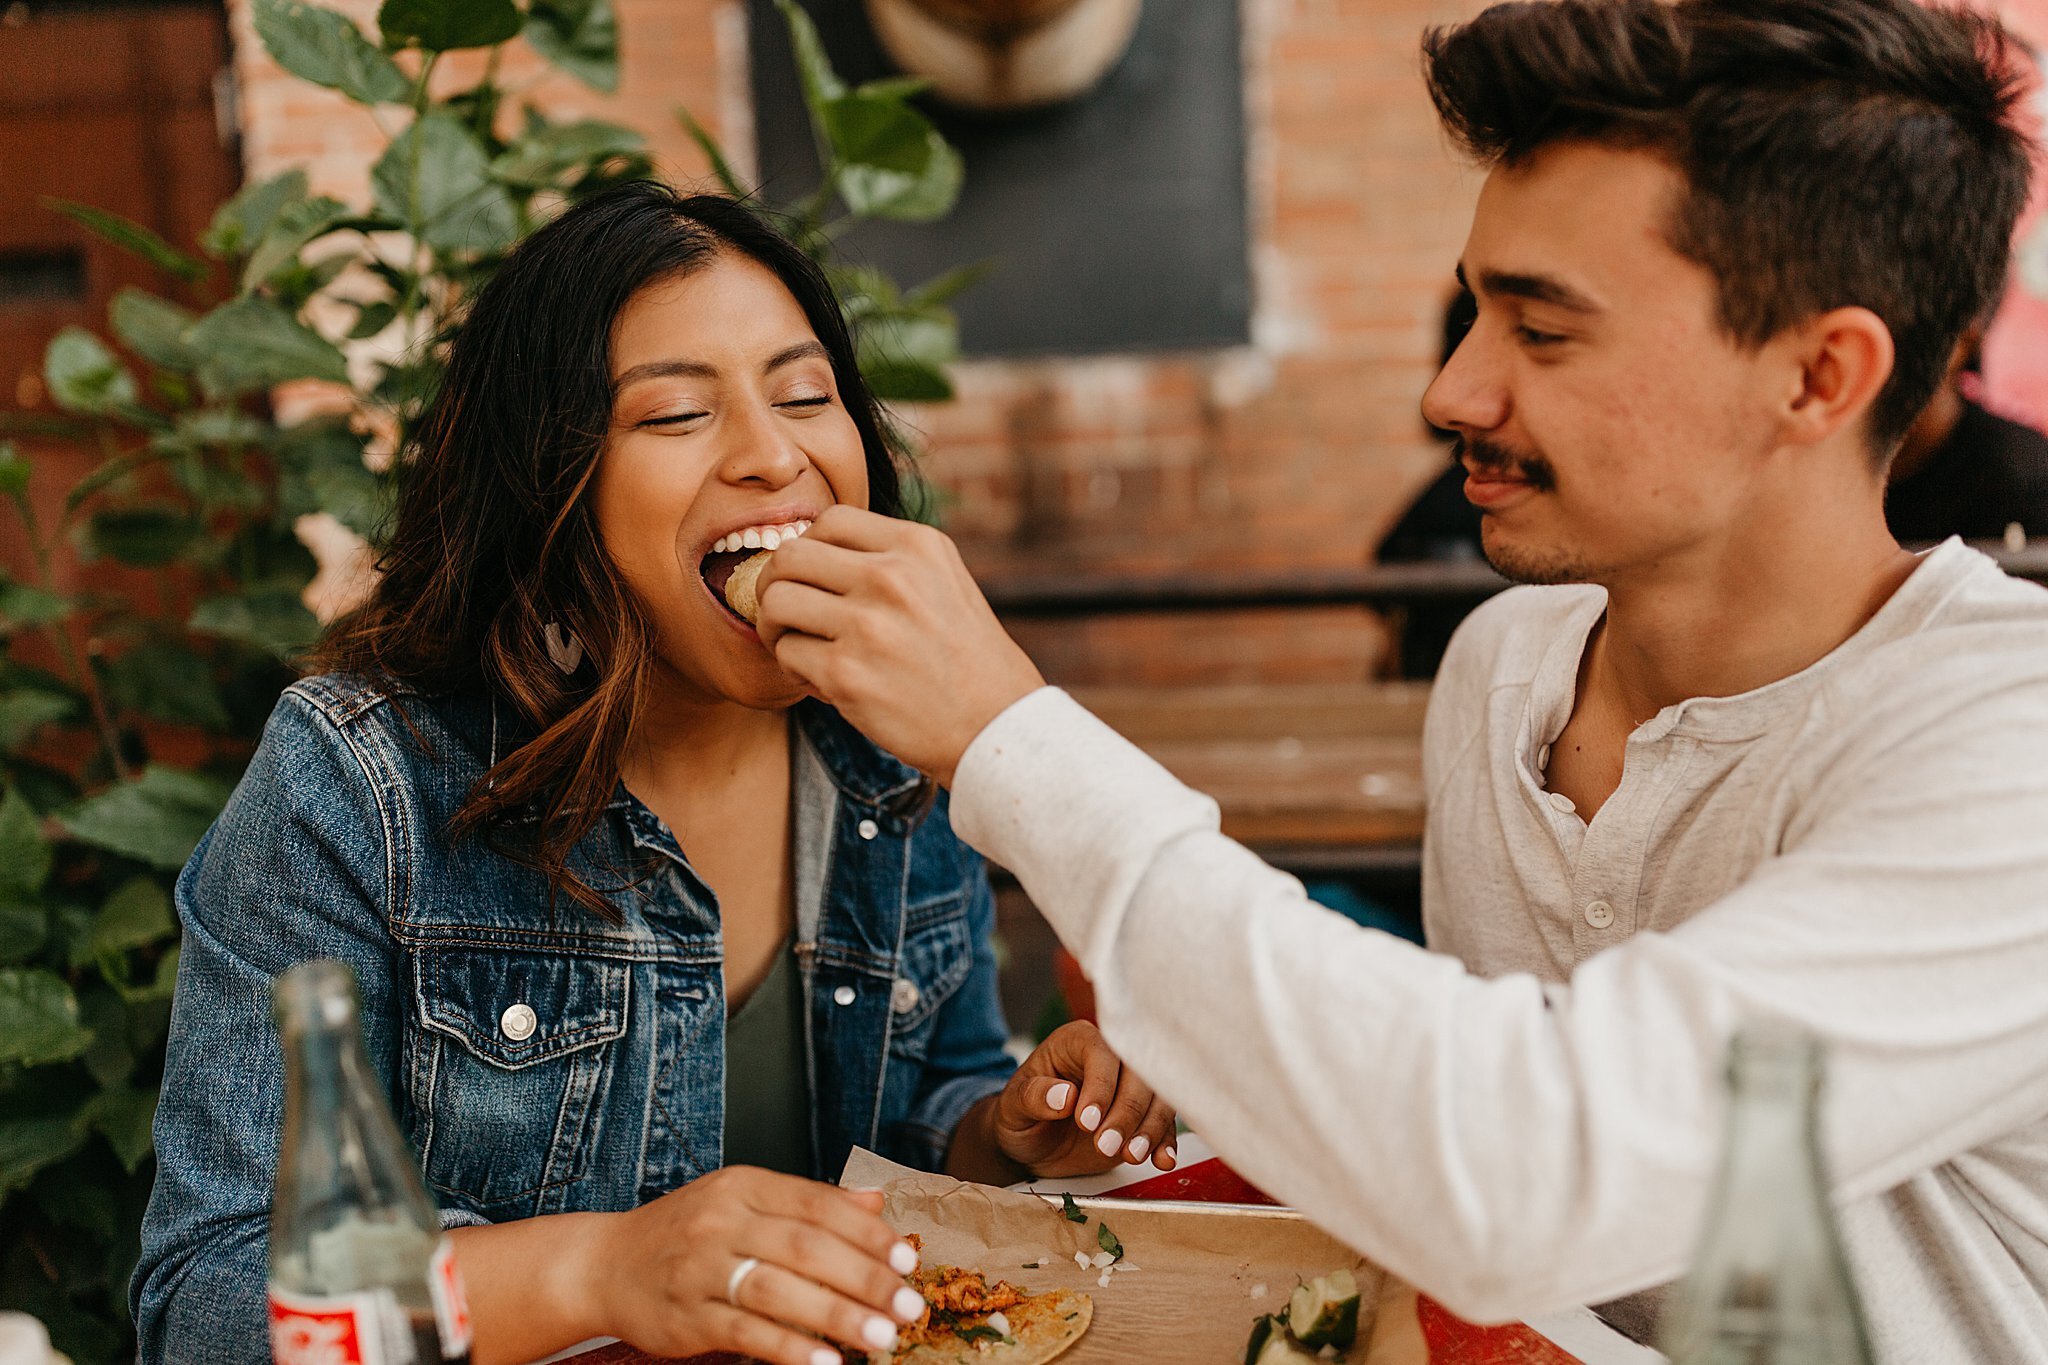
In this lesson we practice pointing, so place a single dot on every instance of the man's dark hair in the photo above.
(1838, 152)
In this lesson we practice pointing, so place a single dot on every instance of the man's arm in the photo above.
(1508, 1146)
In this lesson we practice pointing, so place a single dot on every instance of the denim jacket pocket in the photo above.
(935, 960)
(511, 1071)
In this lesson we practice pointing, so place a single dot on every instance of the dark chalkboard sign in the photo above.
(1115, 223)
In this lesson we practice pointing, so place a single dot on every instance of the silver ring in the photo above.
(739, 1277)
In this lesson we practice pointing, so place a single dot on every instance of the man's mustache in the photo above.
(1478, 453)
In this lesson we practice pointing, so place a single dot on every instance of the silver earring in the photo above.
(563, 648)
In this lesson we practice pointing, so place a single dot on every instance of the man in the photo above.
(1747, 758)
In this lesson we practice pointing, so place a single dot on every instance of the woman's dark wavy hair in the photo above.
(1837, 152)
(494, 538)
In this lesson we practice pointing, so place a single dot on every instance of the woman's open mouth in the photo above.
(728, 552)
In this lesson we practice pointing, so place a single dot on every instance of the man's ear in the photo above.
(1843, 359)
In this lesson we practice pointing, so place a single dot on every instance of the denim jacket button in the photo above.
(904, 995)
(843, 996)
(869, 829)
(518, 1022)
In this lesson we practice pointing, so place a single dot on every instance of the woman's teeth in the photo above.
(759, 537)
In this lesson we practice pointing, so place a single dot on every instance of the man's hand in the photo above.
(880, 618)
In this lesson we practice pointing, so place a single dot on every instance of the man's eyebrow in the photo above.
(1535, 288)
(697, 369)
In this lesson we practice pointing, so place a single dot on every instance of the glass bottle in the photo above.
(360, 1272)
(1771, 1284)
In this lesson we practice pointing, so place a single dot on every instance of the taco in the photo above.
(742, 592)
(967, 1319)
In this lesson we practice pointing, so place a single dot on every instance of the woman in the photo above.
(644, 937)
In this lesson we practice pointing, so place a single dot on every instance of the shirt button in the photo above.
(1543, 757)
(904, 995)
(1562, 803)
(518, 1022)
(1599, 914)
(843, 996)
(869, 829)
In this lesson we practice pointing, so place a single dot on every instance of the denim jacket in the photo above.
(333, 846)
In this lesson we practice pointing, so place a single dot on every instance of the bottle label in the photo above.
(336, 1329)
(451, 1307)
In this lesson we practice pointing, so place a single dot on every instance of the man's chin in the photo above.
(1533, 564)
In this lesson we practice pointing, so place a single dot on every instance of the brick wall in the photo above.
(1300, 448)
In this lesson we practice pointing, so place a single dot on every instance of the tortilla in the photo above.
(955, 1328)
(1041, 1327)
(741, 591)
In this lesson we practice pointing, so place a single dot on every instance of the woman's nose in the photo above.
(762, 452)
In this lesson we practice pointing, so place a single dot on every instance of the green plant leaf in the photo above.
(541, 158)
(903, 355)
(720, 167)
(252, 343)
(167, 681)
(24, 853)
(14, 471)
(579, 36)
(83, 375)
(136, 916)
(447, 25)
(156, 818)
(122, 1115)
(892, 162)
(821, 84)
(146, 537)
(25, 711)
(22, 606)
(272, 619)
(111, 1058)
(241, 222)
(321, 469)
(459, 208)
(296, 224)
(943, 289)
(24, 927)
(38, 1018)
(29, 1145)
(131, 237)
(372, 318)
(154, 329)
(327, 49)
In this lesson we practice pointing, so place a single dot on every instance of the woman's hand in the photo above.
(1074, 1108)
(880, 618)
(829, 1269)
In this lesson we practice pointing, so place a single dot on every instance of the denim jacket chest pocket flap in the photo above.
(935, 960)
(510, 1070)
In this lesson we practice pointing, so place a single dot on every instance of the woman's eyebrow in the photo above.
(697, 369)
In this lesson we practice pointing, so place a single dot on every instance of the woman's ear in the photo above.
(1843, 360)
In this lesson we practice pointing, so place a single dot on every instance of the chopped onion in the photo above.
(1000, 1323)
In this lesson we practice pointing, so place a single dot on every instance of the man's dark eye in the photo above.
(1536, 338)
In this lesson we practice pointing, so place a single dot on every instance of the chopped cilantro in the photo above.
(980, 1332)
(1074, 1214)
(1108, 1241)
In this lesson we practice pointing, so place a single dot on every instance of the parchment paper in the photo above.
(1200, 1272)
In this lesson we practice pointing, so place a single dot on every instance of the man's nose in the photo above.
(1470, 392)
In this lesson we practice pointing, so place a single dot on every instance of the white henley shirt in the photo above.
(1528, 1117)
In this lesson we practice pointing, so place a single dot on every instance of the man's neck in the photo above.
(1742, 616)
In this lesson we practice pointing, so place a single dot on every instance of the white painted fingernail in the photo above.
(1058, 1096)
(1140, 1146)
(824, 1355)
(903, 1258)
(879, 1333)
(1167, 1157)
(1091, 1117)
(909, 1304)
(1110, 1140)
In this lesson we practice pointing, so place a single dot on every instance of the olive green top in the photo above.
(767, 1096)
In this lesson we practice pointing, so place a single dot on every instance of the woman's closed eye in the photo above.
(672, 419)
